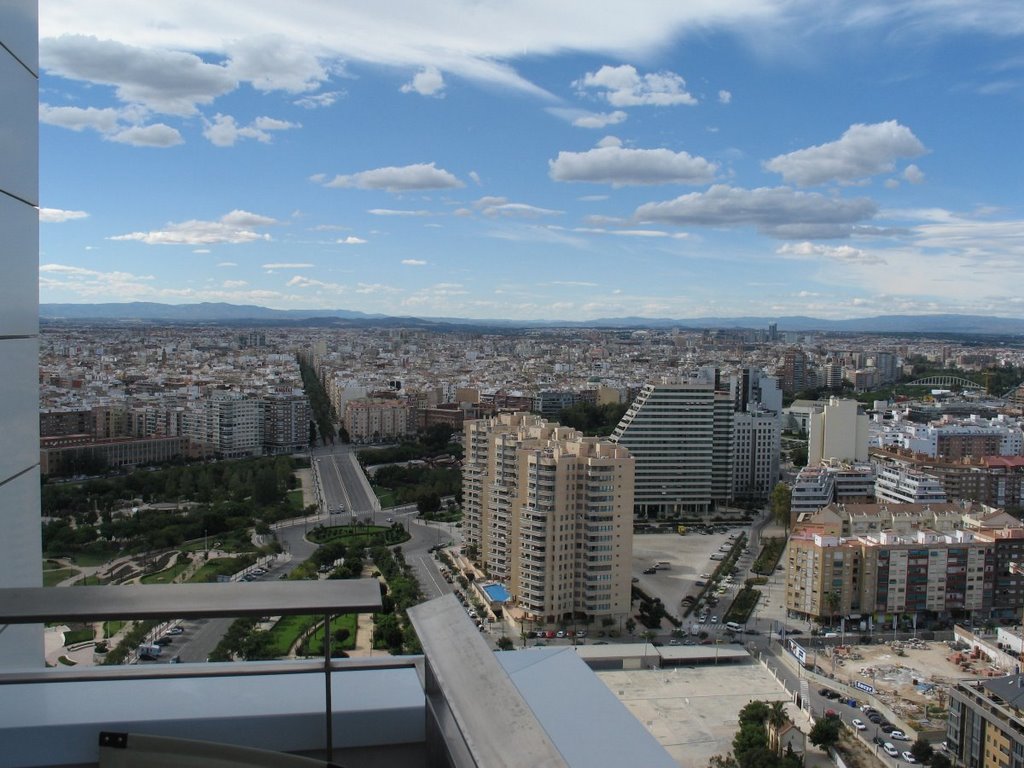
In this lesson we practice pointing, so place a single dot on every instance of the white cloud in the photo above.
(58, 216)
(519, 210)
(427, 82)
(207, 250)
(234, 227)
(155, 135)
(276, 63)
(475, 177)
(623, 86)
(350, 240)
(724, 97)
(913, 174)
(581, 118)
(891, 184)
(287, 265)
(318, 100)
(632, 232)
(841, 253)
(396, 212)
(398, 179)
(414, 262)
(170, 82)
(234, 284)
(620, 166)
(371, 288)
(861, 152)
(778, 211)
(223, 131)
(592, 198)
(222, 263)
(610, 141)
(122, 125)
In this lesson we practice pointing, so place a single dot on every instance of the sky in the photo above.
(536, 160)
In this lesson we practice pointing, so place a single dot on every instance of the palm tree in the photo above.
(777, 718)
(831, 600)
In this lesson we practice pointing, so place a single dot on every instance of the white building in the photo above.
(839, 431)
(900, 485)
(229, 423)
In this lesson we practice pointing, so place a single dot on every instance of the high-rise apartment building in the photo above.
(840, 431)
(228, 423)
(286, 417)
(370, 419)
(794, 371)
(551, 514)
(20, 563)
(756, 441)
(680, 433)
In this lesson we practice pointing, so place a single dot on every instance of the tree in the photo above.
(428, 504)
(777, 716)
(922, 751)
(825, 733)
(939, 760)
(798, 455)
(781, 501)
(630, 625)
(505, 643)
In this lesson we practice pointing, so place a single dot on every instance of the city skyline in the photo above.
(534, 163)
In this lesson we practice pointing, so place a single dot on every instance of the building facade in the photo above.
(550, 512)
(984, 726)
(373, 419)
(839, 431)
(680, 434)
(20, 564)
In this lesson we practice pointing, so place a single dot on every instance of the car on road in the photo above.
(878, 740)
(714, 619)
(898, 736)
(875, 717)
(175, 631)
(858, 724)
(890, 750)
(887, 727)
(649, 571)
(908, 757)
(700, 583)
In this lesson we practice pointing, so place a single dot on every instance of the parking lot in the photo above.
(689, 561)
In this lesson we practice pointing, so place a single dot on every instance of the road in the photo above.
(342, 483)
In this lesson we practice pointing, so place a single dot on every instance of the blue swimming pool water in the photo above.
(496, 593)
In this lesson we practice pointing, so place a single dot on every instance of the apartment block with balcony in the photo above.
(551, 514)
(986, 723)
(372, 419)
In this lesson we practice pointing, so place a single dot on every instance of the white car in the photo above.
(858, 724)
(898, 736)
(909, 757)
(890, 750)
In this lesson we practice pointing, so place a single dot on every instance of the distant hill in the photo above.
(222, 313)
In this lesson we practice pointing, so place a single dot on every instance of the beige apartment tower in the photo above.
(551, 512)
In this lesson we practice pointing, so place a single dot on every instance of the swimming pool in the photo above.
(496, 593)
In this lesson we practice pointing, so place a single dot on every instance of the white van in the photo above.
(732, 626)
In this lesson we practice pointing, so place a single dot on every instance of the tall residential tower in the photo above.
(551, 513)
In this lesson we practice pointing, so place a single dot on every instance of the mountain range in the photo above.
(237, 314)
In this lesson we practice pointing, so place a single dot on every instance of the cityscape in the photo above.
(504, 386)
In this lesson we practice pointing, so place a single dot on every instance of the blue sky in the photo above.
(514, 160)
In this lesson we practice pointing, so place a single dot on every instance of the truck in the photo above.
(149, 651)
(661, 565)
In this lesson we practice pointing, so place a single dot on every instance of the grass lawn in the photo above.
(53, 578)
(349, 534)
(66, 661)
(111, 628)
(316, 642)
(167, 575)
(222, 566)
(73, 636)
(295, 499)
(388, 498)
(287, 631)
(98, 557)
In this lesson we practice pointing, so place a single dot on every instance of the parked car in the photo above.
(908, 757)
(858, 724)
(898, 736)
(890, 750)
